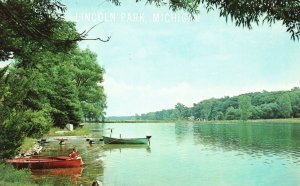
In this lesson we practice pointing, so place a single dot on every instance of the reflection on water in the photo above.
(187, 154)
(181, 131)
(120, 147)
(71, 174)
(254, 139)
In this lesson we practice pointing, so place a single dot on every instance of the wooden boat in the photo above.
(45, 162)
(110, 140)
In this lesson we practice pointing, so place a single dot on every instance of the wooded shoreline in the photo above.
(288, 120)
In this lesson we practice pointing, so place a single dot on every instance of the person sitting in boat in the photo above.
(73, 154)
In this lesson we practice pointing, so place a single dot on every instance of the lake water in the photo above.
(187, 154)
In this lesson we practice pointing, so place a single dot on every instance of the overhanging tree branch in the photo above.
(242, 12)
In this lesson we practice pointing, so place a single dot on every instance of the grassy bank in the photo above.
(60, 132)
(79, 131)
(27, 144)
(13, 177)
(8, 176)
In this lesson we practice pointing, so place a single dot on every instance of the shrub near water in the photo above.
(51, 182)
(10, 176)
(28, 143)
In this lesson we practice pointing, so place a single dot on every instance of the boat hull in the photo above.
(109, 140)
(45, 162)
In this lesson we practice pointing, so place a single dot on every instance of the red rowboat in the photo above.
(45, 162)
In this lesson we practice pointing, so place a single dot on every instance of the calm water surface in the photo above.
(187, 154)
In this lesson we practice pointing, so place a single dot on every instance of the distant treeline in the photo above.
(120, 118)
(258, 105)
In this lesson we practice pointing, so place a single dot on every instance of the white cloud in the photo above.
(128, 99)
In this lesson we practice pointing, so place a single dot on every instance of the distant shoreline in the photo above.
(288, 120)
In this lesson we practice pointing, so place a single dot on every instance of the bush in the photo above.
(11, 136)
(18, 126)
(8, 176)
(36, 123)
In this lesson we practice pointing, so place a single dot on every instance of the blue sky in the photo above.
(157, 58)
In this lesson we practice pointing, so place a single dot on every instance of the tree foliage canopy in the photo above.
(245, 107)
(30, 26)
(243, 12)
(27, 27)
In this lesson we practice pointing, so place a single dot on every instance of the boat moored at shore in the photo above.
(110, 140)
(46, 162)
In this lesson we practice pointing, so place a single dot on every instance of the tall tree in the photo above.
(88, 75)
(285, 107)
(69, 84)
(295, 102)
(64, 100)
(182, 112)
(245, 107)
(206, 108)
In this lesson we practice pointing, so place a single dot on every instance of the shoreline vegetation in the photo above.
(87, 125)
(249, 106)
(282, 120)
(8, 175)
